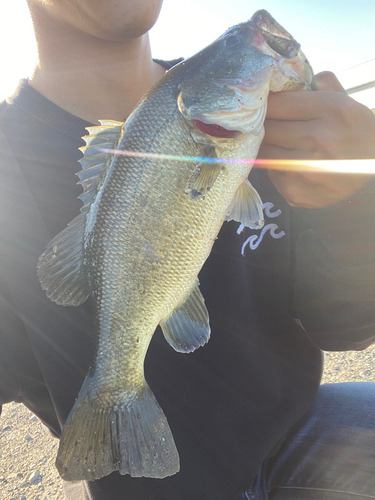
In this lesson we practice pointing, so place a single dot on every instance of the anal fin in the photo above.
(246, 207)
(187, 327)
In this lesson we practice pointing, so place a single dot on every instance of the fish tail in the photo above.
(131, 436)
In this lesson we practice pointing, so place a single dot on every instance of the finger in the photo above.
(326, 80)
(304, 193)
(339, 182)
(272, 152)
(317, 189)
(294, 189)
(292, 134)
(304, 105)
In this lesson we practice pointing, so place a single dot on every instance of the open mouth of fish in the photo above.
(216, 130)
(246, 115)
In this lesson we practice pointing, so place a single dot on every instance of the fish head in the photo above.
(226, 94)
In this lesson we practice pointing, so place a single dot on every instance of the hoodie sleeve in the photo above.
(8, 379)
(334, 279)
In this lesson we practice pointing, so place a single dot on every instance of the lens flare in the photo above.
(339, 166)
(359, 166)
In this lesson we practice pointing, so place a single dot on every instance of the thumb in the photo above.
(326, 80)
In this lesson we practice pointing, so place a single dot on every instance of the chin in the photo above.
(111, 20)
(121, 33)
(134, 19)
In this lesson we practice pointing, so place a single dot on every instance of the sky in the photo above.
(334, 35)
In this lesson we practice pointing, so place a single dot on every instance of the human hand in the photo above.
(324, 124)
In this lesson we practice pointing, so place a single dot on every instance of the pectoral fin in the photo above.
(204, 175)
(187, 328)
(246, 207)
(202, 179)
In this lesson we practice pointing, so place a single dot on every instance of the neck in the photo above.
(90, 77)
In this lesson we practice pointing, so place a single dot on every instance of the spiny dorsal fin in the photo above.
(187, 327)
(61, 268)
(246, 207)
(96, 161)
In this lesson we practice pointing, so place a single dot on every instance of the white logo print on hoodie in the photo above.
(254, 240)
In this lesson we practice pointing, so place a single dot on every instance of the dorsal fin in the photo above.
(96, 161)
(61, 268)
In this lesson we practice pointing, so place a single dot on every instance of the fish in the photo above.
(156, 191)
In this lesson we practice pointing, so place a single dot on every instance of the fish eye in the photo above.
(232, 41)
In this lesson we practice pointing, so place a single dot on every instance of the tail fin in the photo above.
(133, 438)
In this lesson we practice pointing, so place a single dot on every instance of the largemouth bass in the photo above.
(156, 192)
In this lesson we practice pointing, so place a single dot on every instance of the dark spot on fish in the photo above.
(137, 340)
(195, 194)
(143, 201)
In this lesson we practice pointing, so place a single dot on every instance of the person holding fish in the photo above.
(143, 297)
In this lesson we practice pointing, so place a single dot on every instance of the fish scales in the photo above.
(146, 228)
(140, 226)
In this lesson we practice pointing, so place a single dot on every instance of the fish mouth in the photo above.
(216, 130)
(272, 39)
(270, 33)
(248, 119)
